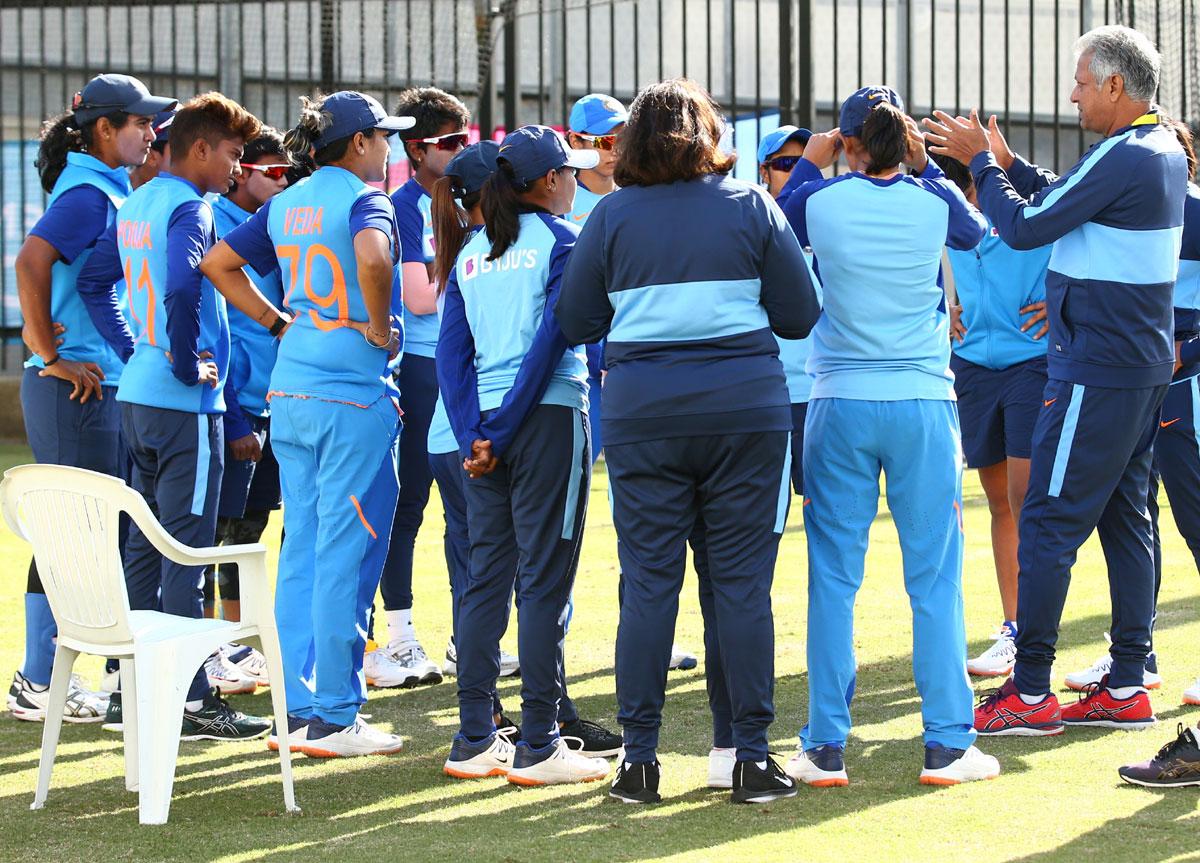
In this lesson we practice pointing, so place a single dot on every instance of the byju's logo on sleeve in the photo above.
(513, 259)
(470, 267)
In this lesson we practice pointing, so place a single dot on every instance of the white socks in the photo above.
(400, 626)
(1123, 692)
(1032, 699)
(193, 706)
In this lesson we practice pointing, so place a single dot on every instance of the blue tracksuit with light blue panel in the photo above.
(251, 359)
(883, 401)
(61, 430)
(1116, 223)
(696, 423)
(333, 428)
(999, 371)
(1177, 448)
(508, 375)
(172, 421)
(417, 379)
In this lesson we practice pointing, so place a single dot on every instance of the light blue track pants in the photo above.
(337, 466)
(916, 444)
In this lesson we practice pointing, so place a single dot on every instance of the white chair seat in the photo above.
(71, 518)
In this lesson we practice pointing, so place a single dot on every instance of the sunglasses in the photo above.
(600, 142)
(451, 142)
(782, 163)
(272, 172)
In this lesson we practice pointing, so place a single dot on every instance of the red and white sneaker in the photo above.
(1003, 712)
(1099, 708)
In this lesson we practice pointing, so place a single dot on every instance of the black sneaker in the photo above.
(591, 739)
(754, 784)
(1177, 764)
(112, 716)
(636, 783)
(216, 720)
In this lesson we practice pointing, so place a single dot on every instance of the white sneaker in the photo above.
(249, 661)
(450, 664)
(820, 767)
(28, 701)
(1081, 680)
(227, 677)
(297, 732)
(1192, 695)
(681, 660)
(971, 766)
(357, 739)
(997, 660)
(720, 767)
(563, 765)
(474, 761)
(382, 670)
(510, 665)
(411, 656)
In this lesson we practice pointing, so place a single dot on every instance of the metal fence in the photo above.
(517, 61)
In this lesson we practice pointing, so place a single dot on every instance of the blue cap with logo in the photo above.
(355, 112)
(109, 93)
(162, 125)
(597, 114)
(773, 141)
(532, 151)
(472, 166)
(860, 103)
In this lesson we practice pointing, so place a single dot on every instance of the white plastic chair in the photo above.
(70, 517)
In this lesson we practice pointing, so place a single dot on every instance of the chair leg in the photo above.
(60, 680)
(269, 640)
(129, 720)
(163, 677)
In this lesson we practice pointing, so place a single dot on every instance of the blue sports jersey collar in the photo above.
(167, 175)
(1150, 118)
(412, 181)
(890, 181)
(118, 175)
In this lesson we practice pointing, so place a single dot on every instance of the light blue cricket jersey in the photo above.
(414, 222)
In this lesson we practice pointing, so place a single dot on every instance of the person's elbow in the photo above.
(418, 295)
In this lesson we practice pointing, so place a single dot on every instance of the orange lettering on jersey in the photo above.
(134, 235)
(303, 220)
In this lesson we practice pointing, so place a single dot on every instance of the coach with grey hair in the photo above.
(1115, 221)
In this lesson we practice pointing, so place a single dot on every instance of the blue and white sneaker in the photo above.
(947, 766)
(297, 732)
(820, 767)
(554, 764)
(681, 660)
(999, 659)
(490, 757)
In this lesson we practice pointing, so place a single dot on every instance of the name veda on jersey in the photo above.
(513, 259)
(303, 220)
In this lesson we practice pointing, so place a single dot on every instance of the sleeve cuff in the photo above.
(981, 162)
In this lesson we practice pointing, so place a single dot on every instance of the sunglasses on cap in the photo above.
(600, 142)
(272, 172)
(450, 142)
(782, 163)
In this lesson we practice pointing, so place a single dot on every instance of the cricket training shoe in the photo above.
(1099, 708)
(28, 701)
(554, 764)
(325, 740)
(820, 767)
(490, 757)
(1176, 764)
(216, 720)
(948, 766)
(637, 782)
(1003, 712)
(720, 767)
(760, 782)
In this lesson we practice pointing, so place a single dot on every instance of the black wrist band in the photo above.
(280, 323)
(48, 363)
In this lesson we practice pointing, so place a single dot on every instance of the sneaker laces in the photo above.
(1169, 749)
(1091, 690)
(989, 697)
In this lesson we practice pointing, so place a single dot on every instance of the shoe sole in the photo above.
(245, 689)
(40, 716)
(516, 672)
(433, 678)
(720, 785)
(526, 782)
(463, 774)
(1148, 784)
(1080, 687)
(944, 781)
(407, 683)
(116, 727)
(600, 753)
(836, 782)
(273, 745)
(686, 665)
(1194, 701)
(221, 739)
(767, 797)
(315, 752)
(1108, 723)
(978, 672)
(656, 798)
(1025, 731)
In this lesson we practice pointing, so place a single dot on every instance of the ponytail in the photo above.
(305, 137)
(1183, 134)
(59, 137)
(501, 208)
(450, 225)
(885, 137)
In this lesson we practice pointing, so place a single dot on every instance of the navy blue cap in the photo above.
(162, 125)
(860, 103)
(109, 93)
(472, 166)
(533, 151)
(597, 114)
(355, 112)
(773, 141)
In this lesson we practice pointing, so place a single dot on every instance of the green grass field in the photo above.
(1058, 798)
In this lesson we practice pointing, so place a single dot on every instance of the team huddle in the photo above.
(234, 320)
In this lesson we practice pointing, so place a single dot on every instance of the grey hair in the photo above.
(1117, 50)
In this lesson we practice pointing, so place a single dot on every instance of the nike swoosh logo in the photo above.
(1052, 401)
(503, 760)
(582, 216)
(1163, 425)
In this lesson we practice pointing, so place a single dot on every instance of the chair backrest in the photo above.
(71, 517)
